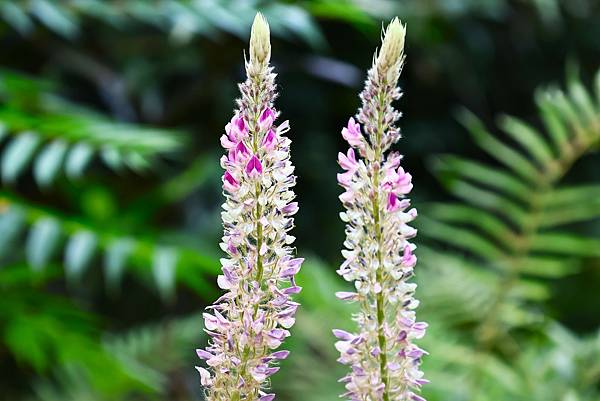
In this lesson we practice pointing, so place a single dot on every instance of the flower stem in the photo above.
(379, 237)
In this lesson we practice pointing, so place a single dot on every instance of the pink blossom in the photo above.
(408, 259)
(239, 128)
(348, 161)
(266, 119)
(254, 167)
(229, 183)
(352, 133)
(269, 141)
(392, 202)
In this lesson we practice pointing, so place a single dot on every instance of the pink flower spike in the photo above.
(229, 183)
(256, 311)
(254, 167)
(378, 239)
(269, 141)
(352, 133)
(266, 119)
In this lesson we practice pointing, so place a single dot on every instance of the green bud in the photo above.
(260, 42)
(392, 50)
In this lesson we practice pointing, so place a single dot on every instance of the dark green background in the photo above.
(128, 62)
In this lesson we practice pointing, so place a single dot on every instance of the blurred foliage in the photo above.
(110, 113)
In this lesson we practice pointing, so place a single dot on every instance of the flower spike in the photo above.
(251, 320)
(379, 258)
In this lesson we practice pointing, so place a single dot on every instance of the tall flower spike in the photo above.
(379, 258)
(251, 320)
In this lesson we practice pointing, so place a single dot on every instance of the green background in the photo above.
(110, 115)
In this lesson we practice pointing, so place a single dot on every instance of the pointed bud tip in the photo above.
(392, 46)
(260, 42)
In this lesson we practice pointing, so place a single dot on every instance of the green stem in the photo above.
(259, 260)
(380, 302)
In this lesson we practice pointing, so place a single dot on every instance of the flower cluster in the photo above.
(251, 320)
(379, 258)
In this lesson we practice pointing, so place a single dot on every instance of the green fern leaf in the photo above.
(48, 228)
(513, 221)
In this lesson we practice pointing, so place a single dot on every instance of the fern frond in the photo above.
(181, 20)
(52, 135)
(514, 219)
(48, 230)
(150, 354)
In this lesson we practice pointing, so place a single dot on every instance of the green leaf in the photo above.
(137, 162)
(506, 155)
(12, 222)
(530, 290)
(588, 111)
(117, 253)
(460, 238)
(163, 268)
(79, 253)
(22, 339)
(488, 200)
(54, 17)
(17, 155)
(567, 112)
(566, 244)
(41, 242)
(198, 265)
(112, 158)
(553, 121)
(77, 160)
(570, 214)
(48, 163)
(548, 267)
(484, 175)
(3, 129)
(464, 214)
(532, 140)
(16, 17)
(574, 195)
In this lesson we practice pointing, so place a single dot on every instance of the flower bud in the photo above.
(260, 41)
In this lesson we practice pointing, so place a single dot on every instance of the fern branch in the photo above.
(54, 134)
(510, 216)
(49, 228)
